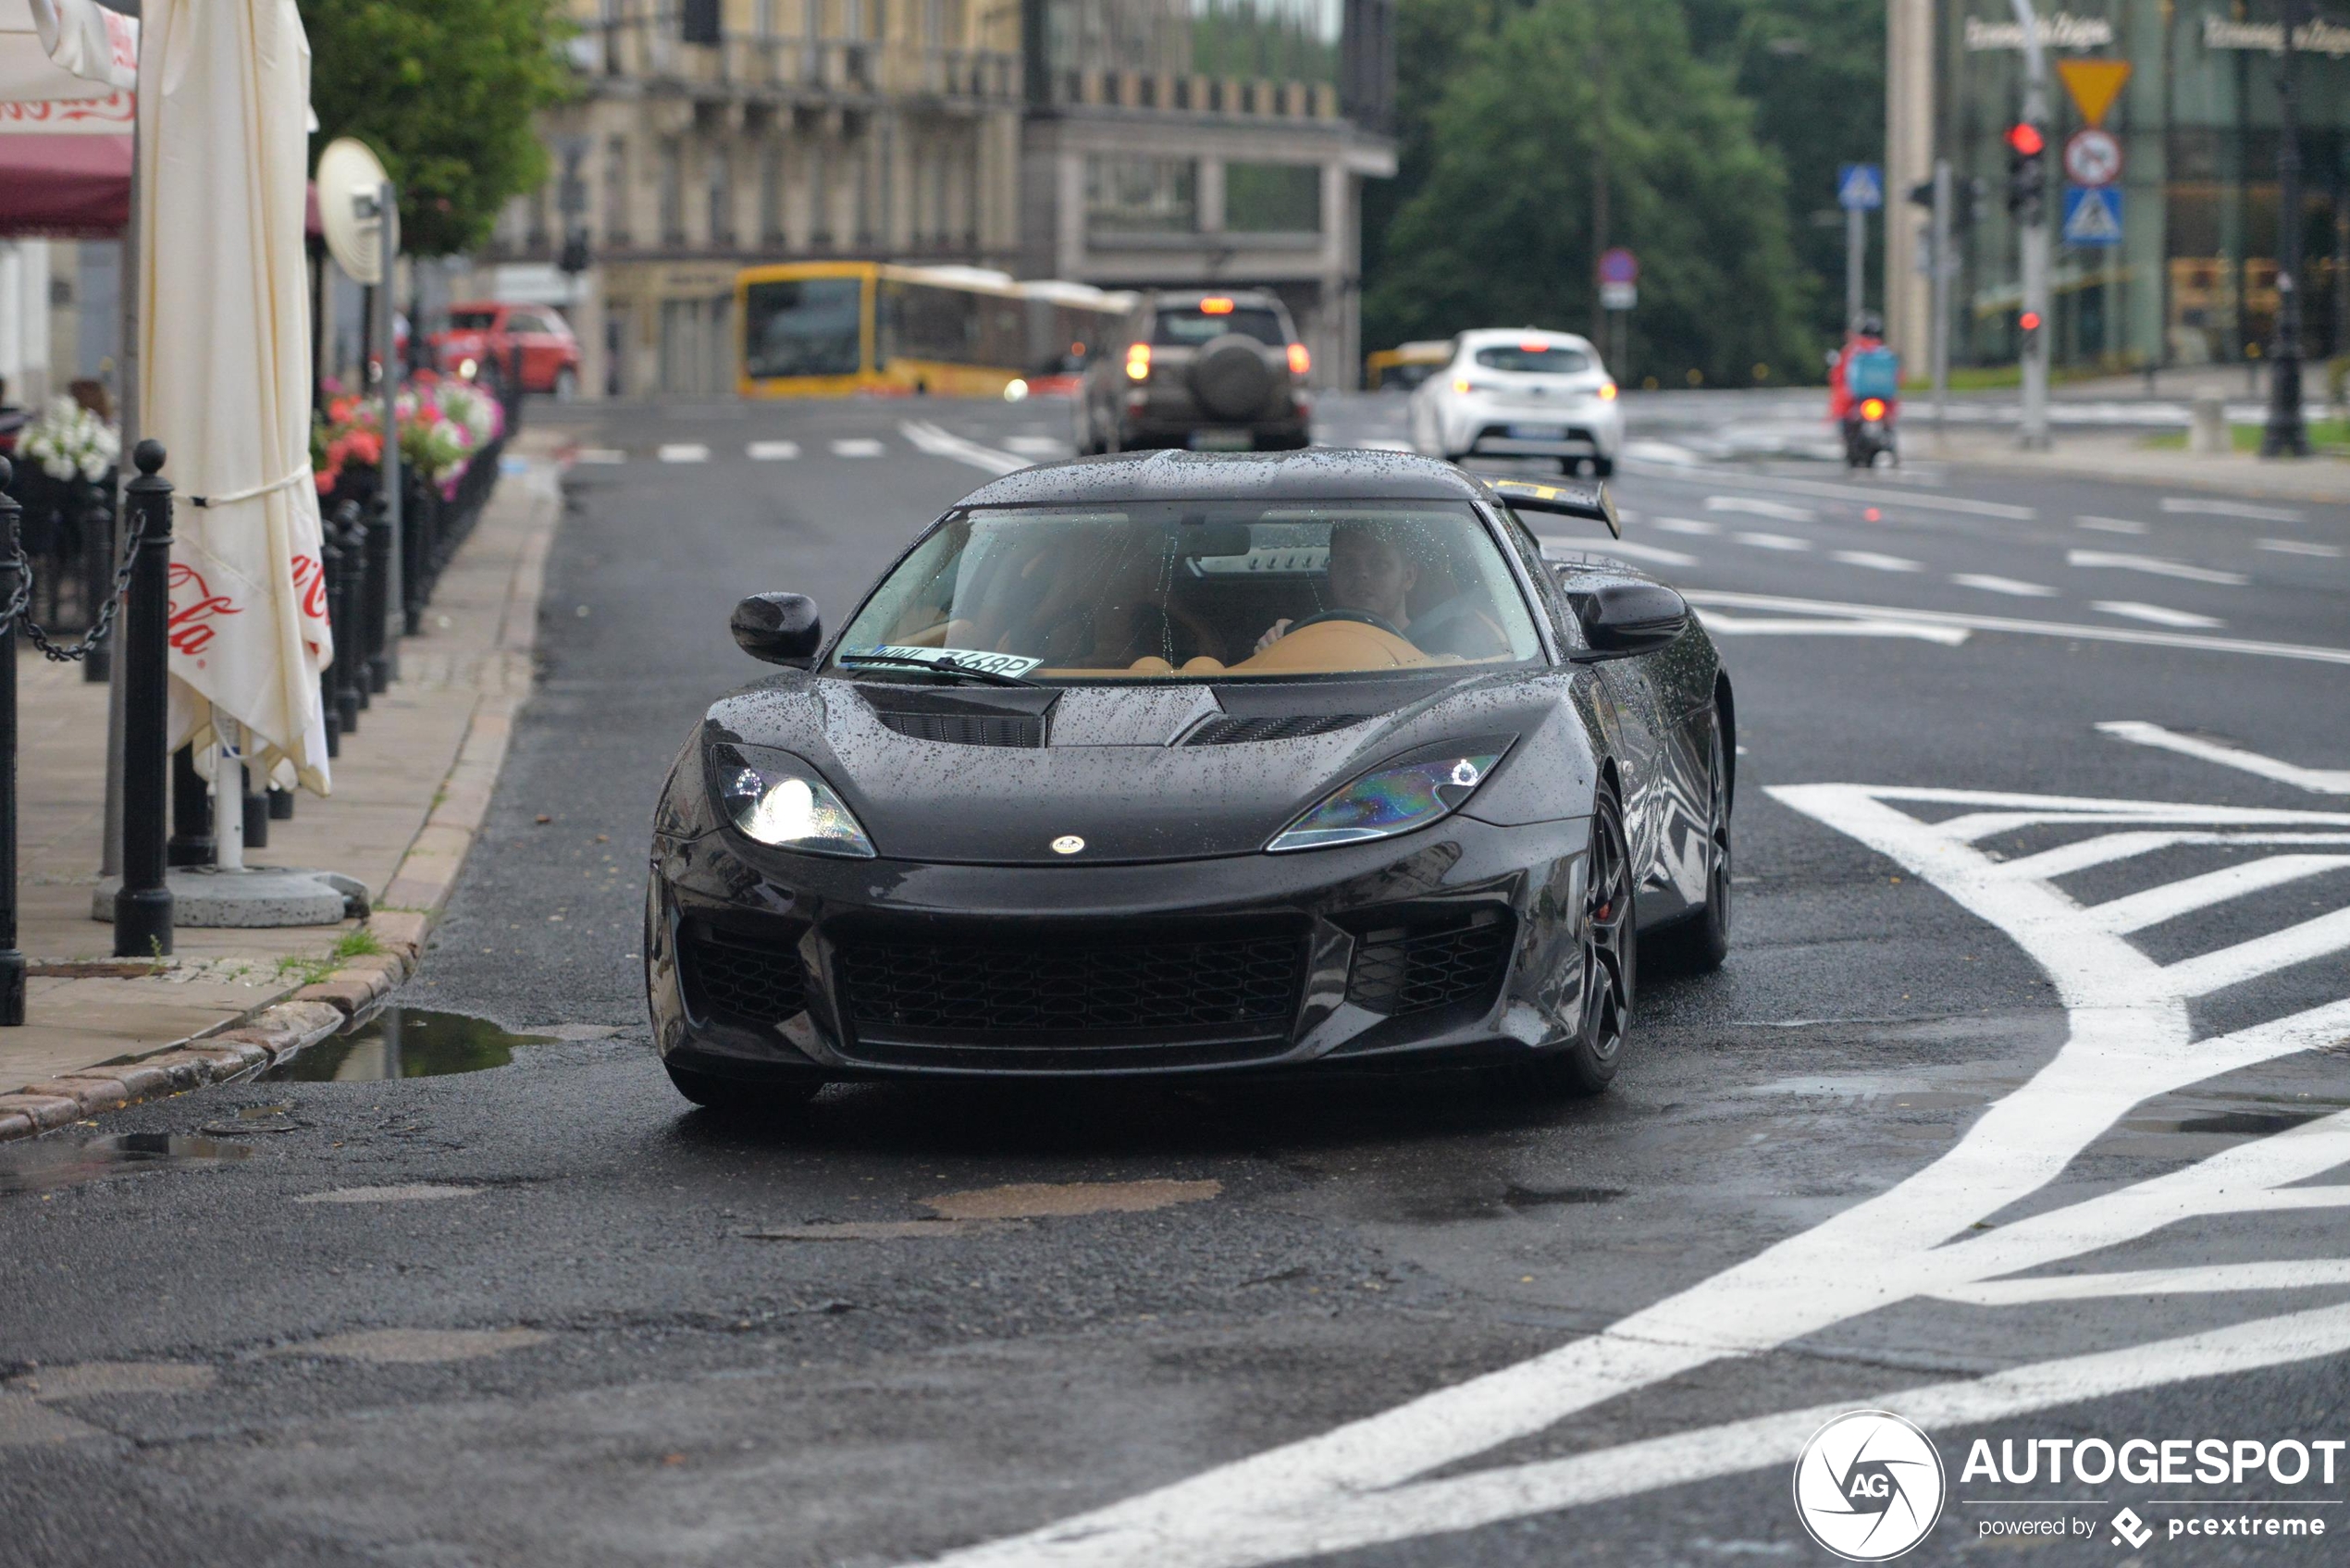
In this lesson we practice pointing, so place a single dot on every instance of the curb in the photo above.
(349, 995)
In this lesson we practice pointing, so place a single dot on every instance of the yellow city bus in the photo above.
(831, 328)
(1406, 365)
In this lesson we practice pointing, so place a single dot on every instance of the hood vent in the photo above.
(1023, 730)
(1230, 730)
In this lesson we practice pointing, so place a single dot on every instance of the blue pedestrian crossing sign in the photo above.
(1860, 188)
(2093, 215)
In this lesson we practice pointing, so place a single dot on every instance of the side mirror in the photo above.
(778, 628)
(1621, 620)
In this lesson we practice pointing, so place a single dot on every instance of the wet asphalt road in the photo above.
(523, 1315)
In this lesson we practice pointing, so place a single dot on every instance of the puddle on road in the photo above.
(407, 1042)
(39, 1167)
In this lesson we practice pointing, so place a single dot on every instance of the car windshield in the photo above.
(803, 326)
(1198, 590)
(1189, 328)
(1541, 359)
(472, 320)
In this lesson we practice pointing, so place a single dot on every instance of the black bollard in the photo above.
(192, 842)
(256, 816)
(11, 583)
(330, 578)
(281, 802)
(415, 546)
(143, 905)
(97, 565)
(350, 665)
(379, 608)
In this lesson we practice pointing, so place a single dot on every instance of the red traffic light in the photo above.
(2026, 138)
(2029, 321)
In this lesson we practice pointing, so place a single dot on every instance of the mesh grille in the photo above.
(1246, 985)
(969, 729)
(1400, 972)
(1232, 732)
(741, 978)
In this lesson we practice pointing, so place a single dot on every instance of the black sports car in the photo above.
(1188, 762)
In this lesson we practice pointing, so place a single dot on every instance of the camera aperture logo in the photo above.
(1869, 1486)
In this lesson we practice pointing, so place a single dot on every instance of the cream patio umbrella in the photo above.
(224, 333)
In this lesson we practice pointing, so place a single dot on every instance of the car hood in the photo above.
(1137, 772)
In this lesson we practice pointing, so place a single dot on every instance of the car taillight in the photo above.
(1873, 408)
(1138, 363)
(1607, 392)
(1300, 362)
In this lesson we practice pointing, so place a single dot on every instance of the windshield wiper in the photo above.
(949, 667)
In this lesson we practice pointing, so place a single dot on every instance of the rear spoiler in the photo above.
(1590, 502)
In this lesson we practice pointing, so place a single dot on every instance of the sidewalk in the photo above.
(410, 790)
(2124, 458)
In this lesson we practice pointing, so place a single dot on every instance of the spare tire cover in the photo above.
(1231, 378)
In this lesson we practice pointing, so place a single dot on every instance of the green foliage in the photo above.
(445, 91)
(1277, 40)
(1496, 228)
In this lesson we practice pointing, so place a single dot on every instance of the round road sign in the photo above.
(2092, 158)
(1619, 266)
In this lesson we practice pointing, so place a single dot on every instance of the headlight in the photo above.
(776, 798)
(1396, 798)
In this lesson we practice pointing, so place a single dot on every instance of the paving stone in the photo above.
(45, 1111)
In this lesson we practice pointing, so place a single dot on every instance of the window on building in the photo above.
(720, 177)
(1273, 198)
(672, 192)
(820, 195)
(617, 192)
(771, 193)
(1131, 194)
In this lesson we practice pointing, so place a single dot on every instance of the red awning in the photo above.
(65, 168)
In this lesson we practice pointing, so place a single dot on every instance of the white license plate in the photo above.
(1222, 440)
(1537, 432)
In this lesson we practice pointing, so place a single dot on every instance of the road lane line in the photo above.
(939, 442)
(772, 451)
(2317, 781)
(1715, 478)
(2299, 943)
(2136, 911)
(2300, 547)
(1874, 562)
(1773, 541)
(2198, 506)
(684, 452)
(2009, 586)
(1753, 508)
(2160, 615)
(2065, 860)
(602, 455)
(1686, 525)
(1740, 625)
(857, 446)
(1625, 547)
(2110, 524)
(2074, 631)
(1044, 448)
(2154, 564)
(2296, 1274)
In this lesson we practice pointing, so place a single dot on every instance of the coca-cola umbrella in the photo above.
(67, 67)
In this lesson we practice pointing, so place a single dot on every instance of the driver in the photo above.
(1370, 574)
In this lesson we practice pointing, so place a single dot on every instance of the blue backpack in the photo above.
(1872, 373)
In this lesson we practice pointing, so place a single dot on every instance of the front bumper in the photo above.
(1454, 944)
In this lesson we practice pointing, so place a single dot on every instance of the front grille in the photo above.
(741, 977)
(969, 729)
(1232, 732)
(1127, 994)
(1411, 971)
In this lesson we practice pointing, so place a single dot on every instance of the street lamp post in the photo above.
(2287, 435)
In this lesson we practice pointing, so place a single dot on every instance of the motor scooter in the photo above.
(1868, 433)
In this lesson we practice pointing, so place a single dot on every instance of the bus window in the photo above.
(802, 326)
(934, 324)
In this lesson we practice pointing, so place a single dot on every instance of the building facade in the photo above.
(1123, 142)
(2193, 279)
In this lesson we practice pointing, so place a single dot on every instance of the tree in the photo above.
(445, 91)
(1499, 229)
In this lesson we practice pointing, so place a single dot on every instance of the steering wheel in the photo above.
(1363, 616)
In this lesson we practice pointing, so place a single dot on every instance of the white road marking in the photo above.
(2298, 943)
(2130, 1039)
(930, 439)
(1038, 446)
(2077, 632)
(2296, 1274)
(2152, 563)
(1740, 625)
(1868, 497)
(1686, 525)
(1631, 552)
(2065, 860)
(2136, 911)
(2009, 586)
(684, 452)
(2111, 524)
(857, 446)
(772, 451)
(2160, 615)
(1773, 541)
(2317, 781)
(1874, 562)
(600, 455)
(1754, 508)
(2197, 506)
(2301, 547)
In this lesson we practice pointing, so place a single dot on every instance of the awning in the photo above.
(65, 134)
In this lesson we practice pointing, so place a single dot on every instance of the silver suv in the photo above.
(1211, 372)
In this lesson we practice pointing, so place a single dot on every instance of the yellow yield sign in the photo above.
(2093, 85)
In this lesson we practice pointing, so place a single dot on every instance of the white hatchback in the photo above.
(1522, 393)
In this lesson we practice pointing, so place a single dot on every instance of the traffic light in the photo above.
(1922, 194)
(2027, 171)
(2027, 331)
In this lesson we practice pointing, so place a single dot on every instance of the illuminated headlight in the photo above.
(1015, 390)
(1396, 798)
(776, 798)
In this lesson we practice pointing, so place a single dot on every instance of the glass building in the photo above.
(2193, 279)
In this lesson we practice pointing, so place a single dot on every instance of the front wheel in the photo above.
(1609, 954)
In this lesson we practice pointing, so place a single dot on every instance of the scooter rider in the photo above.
(1868, 332)
(1882, 402)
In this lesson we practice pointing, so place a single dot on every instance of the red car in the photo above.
(482, 338)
